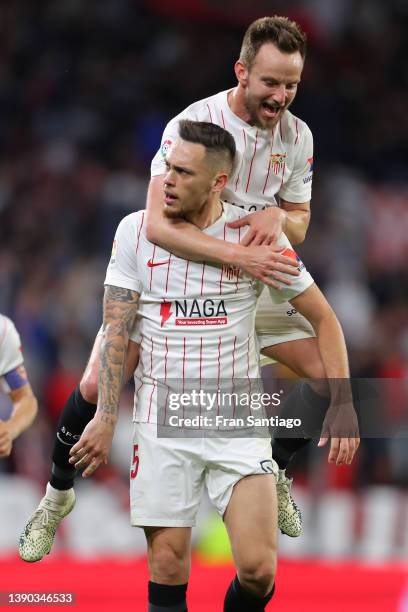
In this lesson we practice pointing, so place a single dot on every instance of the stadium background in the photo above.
(85, 91)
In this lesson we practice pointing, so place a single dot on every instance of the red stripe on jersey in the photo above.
(165, 407)
(150, 402)
(209, 112)
(252, 161)
(270, 157)
(138, 233)
(137, 394)
(242, 162)
(184, 363)
(222, 267)
(233, 372)
(202, 279)
(219, 369)
(283, 174)
(239, 271)
(151, 269)
(201, 359)
(249, 380)
(185, 278)
(223, 121)
(151, 358)
(297, 132)
(165, 361)
(168, 270)
(165, 380)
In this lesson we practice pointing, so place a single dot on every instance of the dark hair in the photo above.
(217, 141)
(286, 35)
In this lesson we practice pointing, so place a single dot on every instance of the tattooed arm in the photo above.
(120, 308)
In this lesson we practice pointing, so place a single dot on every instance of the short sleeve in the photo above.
(299, 186)
(11, 355)
(122, 269)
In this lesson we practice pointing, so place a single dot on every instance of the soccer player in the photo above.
(275, 155)
(180, 340)
(14, 382)
(272, 181)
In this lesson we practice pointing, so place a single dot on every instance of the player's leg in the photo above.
(166, 484)
(285, 336)
(169, 567)
(59, 499)
(251, 521)
(309, 402)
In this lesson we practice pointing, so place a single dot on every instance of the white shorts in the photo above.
(168, 476)
(278, 323)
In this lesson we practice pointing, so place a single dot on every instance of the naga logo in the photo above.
(194, 312)
(293, 255)
(165, 312)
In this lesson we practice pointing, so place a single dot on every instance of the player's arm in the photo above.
(341, 423)
(185, 240)
(119, 315)
(265, 226)
(24, 411)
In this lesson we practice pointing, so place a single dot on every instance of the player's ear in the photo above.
(219, 182)
(241, 72)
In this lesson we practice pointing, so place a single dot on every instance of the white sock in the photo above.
(56, 495)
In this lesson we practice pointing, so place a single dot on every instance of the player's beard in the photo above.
(172, 213)
(254, 108)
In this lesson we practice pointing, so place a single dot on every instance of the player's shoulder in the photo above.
(200, 110)
(294, 129)
(9, 335)
(133, 219)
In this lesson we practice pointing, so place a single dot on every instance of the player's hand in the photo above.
(6, 440)
(341, 426)
(92, 449)
(265, 226)
(267, 264)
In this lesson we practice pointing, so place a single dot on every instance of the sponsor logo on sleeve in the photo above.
(309, 177)
(164, 149)
(293, 255)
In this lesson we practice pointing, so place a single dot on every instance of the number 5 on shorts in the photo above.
(135, 461)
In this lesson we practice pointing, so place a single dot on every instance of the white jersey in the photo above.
(10, 346)
(197, 320)
(269, 163)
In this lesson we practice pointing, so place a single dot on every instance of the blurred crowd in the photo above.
(86, 89)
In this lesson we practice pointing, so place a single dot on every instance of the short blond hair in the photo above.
(285, 34)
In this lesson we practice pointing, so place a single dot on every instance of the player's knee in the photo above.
(258, 577)
(167, 566)
(89, 386)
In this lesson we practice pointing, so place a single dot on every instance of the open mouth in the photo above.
(169, 198)
(271, 110)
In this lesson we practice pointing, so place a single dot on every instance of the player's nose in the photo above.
(280, 93)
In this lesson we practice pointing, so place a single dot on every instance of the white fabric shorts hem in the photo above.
(138, 521)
